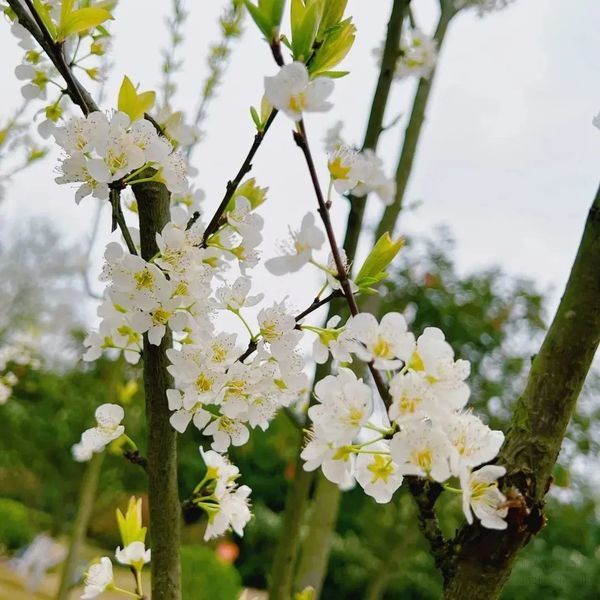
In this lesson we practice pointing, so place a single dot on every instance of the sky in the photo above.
(508, 159)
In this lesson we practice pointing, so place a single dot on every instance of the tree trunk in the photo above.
(165, 514)
(87, 494)
(484, 557)
(413, 131)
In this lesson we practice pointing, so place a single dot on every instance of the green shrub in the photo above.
(16, 527)
(205, 577)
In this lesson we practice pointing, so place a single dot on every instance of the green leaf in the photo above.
(305, 20)
(332, 15)
(332, 74)
(262, 21)
(66, 6)
(82, 20)
(382, 254)
(256, 118)
(43, 12)
(334, 48)
(133, 104)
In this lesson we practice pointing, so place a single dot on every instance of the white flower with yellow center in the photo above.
(292, 92)
(341, 165)
(474, 442)
(345, 405)
(434, 358)
(226, 432)
(412, 398)
(275, 321)
(423, 450)
(388, 344)
(297, 250)
(336, 462)
(377, 472)
(482, 496)
(98, 578)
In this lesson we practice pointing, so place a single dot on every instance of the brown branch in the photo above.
(55, 52)
(135, 458)
(342, 274)
(425, 494)
(233, 184)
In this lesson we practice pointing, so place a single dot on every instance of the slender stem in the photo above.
(54, 50)
(118, 218)
(233, 184)
(282, 570)
(301, 140)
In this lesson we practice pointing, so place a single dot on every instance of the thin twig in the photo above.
(302, 141)
(119, 219)
(316, 304)
(233, 184)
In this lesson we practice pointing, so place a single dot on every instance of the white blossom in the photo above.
(423, 450)
(482, 496)
(344, 405)
(297, 251)
(134, 554)
(388, 344)
(98, 578)
(378, 474)
(292, 92)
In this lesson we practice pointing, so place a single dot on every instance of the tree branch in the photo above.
(342, 274)
(484, 557)
(33, 23)
(232, 185)
(425, 494)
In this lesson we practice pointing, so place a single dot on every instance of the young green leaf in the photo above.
(82, 20)
(133, 104)
(382, 254)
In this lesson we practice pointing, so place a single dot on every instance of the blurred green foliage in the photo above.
(16, 527)
(205, 577)
(494, 320)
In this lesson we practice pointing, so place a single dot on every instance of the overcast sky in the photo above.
(508, 159)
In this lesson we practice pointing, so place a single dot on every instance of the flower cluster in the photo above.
(427, 432)
(360, 173)
(223, 388)
(418, 55)
(225, 503)
(102, 149)
(108, 428)
(99, 576)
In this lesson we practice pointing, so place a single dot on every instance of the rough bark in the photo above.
(87, 494)
(484, 558)
(165, 514)
(413, 130)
